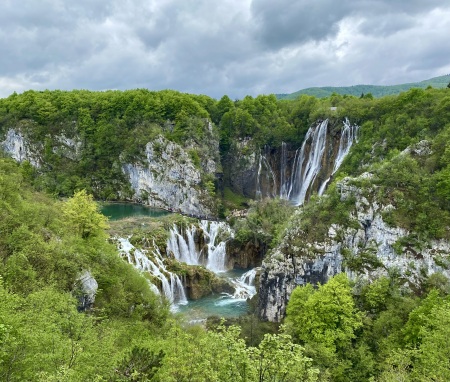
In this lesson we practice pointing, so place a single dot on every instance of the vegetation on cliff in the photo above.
(366, 330)
(342, 330)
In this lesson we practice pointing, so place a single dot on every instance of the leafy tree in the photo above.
(83, 215)
(326, 321)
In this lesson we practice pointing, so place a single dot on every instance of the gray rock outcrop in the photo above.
(383, 248)
(169, 179)
(86, 288)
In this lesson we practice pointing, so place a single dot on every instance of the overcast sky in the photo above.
(217, 47)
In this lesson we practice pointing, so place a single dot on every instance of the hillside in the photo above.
(376, 91)
(359, 275)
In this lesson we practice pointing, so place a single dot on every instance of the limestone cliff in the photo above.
(168, 178)
(368, 248)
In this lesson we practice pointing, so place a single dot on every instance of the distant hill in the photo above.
(377, 91)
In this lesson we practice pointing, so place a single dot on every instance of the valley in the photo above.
(329, 216)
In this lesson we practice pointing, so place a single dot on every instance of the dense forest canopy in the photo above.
(343, 330)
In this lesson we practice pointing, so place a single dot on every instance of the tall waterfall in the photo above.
(171, 284)
(265, 174)
(309, 159)
(283, 169)
(184, 248)
(349, 134)
(307, 164)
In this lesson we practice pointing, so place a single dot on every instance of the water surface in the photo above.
(117, 211)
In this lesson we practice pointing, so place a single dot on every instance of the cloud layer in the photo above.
(234, 47)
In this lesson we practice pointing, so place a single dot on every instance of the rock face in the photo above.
(168, 178)
(199, 282)
(86, 289)
(244, 256)
(382, 247)
(19, 148)
(240, 168)
(292, 173)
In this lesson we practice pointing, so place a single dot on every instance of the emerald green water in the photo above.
(222, 305)
(215, 305)
(117, 211)
(198, 310)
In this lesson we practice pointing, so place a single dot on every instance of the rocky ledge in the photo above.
(370, 248)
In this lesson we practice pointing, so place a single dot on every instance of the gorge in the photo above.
(333, 215)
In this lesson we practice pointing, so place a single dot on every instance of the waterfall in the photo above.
(348, 135)
(216, 253)
(309, 158)
(270, 178)
(323, 187)
(183, 247)
(171, 285)
(245, 285)
(249, 277)
(258, 179)
(307, 168)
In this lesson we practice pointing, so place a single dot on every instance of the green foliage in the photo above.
(83, 215)
(325, 321)
(364, 260)
(87, 136)
(222, 356)
(43, 249)
(140, 365)
(318, 215)
(265, 222)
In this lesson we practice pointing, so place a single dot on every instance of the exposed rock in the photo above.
(86, 288)
(169, 179)
(244, 256)
(240, 168)
(200, 282)
(67, 147)
(19, 148)
(422, 148)
(372, 240)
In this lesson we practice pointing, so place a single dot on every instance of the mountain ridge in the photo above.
(375, 90)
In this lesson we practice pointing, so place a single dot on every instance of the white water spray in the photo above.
(171, 285)
(307, 167)
(245, 285)
(349, 134)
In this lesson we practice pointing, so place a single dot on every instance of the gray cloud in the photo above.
(286, 22)
(234, 47)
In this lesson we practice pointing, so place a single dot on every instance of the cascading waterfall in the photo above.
(216, 253)
(183, 246)
(305, 174)
(349, 134)
(270, 178)
(184, 249)
(245, 285)
(308, 164)
(171, 284)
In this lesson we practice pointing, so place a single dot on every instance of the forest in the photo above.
(348, 329)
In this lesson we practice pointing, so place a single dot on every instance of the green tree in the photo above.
(325, 321)
(83, 216)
